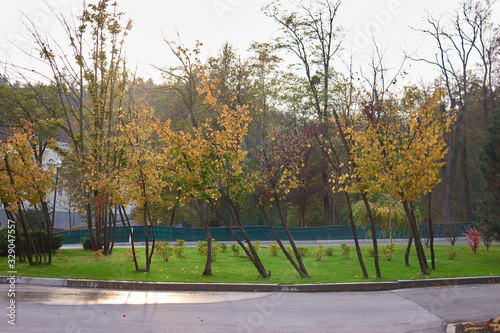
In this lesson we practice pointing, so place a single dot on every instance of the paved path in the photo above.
(54, 309)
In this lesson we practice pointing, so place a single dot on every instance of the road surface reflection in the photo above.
(71, 296)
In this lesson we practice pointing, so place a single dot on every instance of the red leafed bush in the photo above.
(474, 237)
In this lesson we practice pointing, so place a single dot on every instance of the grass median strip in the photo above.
(80, 264)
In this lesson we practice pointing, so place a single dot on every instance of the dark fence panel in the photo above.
(255, 233)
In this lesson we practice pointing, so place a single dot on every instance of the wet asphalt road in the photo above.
(51, 309)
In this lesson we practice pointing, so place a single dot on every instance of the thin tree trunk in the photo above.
(45, 210)
(146, 235)
(290, 238)
(408, 249)
(90, 228)
(120, 208)
(150, 258)
(355, 235)
(208, 264)
(278, 239)
(374, 235)
(431, 229)
(250, 251)
(418, 243)
(203, 216)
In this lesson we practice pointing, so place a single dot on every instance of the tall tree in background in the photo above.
(311, 34)
(460, 40)
(489, 165)
(90, 83)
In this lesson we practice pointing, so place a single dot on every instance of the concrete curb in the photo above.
(451, 328)
(244, 287)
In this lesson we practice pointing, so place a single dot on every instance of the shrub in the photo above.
(56, 241)
(371, 251)
(39, 237)
(164, 250)
(130, 253)
(274, 249)
(236, 249)
(302, 250)
(452, 232)
(4, 243)
(179, 248)
(223, 247)
(451, 254)
(329, 251)
(215, 250)
(98, 254)
(202, 248)
(345, 250)
(389, 251)
(487, 234)
(318, 253)
(256, 246)
(474, 237)
(87, 244)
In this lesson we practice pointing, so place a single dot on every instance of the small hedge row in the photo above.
(36, 235)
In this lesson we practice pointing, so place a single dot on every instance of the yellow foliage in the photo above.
(401, 157)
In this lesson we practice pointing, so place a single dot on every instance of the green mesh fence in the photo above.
(255, 233)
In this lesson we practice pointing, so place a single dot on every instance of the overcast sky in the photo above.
(215, 21)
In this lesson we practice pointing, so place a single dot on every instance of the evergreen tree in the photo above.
(489, 165)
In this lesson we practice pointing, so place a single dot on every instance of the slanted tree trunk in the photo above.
(248, 249)
(278, 240)
(408, 249)
(355, 235)
(290, 238)
(416, 236)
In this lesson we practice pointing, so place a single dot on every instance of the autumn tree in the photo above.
(24, 179)
(90, 82)
(312, 35)
(401, 156)
(141, 178)
(283, 154)
(209, 162)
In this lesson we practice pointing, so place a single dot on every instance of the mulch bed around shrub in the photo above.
(491, 326)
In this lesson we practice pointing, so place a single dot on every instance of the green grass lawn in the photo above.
(80, 264)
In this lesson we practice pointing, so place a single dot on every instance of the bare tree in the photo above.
(457, 40)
